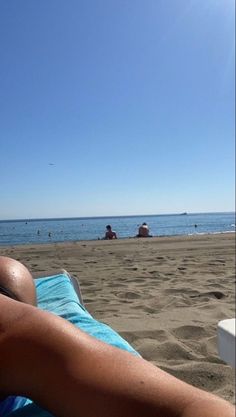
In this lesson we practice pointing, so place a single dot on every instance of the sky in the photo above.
(116, 107)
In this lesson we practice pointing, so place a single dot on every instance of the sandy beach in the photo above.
(164, 295)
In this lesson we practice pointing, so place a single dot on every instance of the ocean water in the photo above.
(73, 229)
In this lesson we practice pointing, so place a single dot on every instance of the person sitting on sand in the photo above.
(143, 231)
(70, 373)
(110, 234)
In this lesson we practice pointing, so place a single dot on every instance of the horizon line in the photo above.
(110, 216)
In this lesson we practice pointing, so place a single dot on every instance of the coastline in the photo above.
(120, 239)
(79, 229)
(165, 295)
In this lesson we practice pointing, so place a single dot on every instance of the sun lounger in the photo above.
(226, 341)
(60, 294)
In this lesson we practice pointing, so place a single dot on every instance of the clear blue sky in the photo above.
(132, 101)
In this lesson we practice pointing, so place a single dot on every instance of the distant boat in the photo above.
(183, 214)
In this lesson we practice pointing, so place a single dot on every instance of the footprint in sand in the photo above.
(88, 284)
(148, 309)
(128, 295)
(215, 294)
(90, 262)
(167, 351)
(190, 332)
(137, 280)
(213, 284)
(182, 291)
(88, 300)
(205, 375)
(140, 335)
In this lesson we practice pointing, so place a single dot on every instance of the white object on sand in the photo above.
(226, 341)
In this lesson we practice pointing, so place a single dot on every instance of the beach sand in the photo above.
(164, 295)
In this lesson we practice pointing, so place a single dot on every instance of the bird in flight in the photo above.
(50, 163)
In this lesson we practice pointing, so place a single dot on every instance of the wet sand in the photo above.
(164, 295)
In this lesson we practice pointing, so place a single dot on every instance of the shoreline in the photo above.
(229, 232)
(165, 295)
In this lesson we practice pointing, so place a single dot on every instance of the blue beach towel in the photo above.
(57, 295)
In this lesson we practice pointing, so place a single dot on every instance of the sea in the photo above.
(32, 231)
